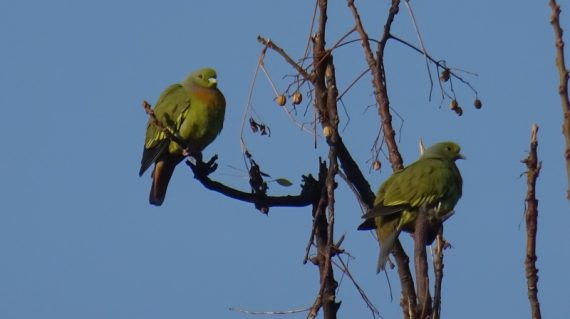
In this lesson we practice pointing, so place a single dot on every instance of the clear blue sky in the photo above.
(78, 238)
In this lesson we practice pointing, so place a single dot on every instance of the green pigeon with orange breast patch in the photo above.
(193, 111)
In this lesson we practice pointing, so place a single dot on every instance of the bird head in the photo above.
(444, 150)
(205, 77)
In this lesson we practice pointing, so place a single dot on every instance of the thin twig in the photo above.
(353, 83)
(424, 51)
(264, 69)
(344, 268)
(310, 243)
(531, 213)
(276, 48)
(283, 312)
(563, 85)
(439, 64)
(309, 37)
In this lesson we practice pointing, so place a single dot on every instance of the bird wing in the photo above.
(169, 110)
(381, 210)
(427, 181)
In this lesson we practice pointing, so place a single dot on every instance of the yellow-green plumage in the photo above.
(194, 111)
(433, 180)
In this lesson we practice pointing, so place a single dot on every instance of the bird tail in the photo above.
(161, 175)
(386, 247)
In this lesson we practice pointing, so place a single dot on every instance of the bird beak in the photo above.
(461, 156)
(212, 80)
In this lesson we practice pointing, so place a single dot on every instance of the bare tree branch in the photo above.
(326, 296)
(408, 300)
(376, 65)
(531, 214)
(438, 270)
(325, 102)
(268, 43)
(309, 191)
(563, 86)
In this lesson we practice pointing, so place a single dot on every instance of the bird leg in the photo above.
(203, 169)
(197, 155)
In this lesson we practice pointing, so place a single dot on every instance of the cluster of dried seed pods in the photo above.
(454, 106)
(296, 99)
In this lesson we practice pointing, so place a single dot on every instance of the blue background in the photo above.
(78, 238)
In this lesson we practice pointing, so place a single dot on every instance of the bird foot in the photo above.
(203, 169)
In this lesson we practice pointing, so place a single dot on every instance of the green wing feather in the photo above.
(172, 104)
(430, 181)
(427, 181)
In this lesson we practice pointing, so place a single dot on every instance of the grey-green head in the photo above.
(205, 77)
(444, 150)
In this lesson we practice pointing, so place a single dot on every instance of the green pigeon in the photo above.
(433, 180)
(193, 110)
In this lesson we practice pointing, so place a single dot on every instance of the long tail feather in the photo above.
(386, 247)
(161, 175)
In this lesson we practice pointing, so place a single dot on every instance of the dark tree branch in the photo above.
(563, 86)
(309, 192)
(531, 214)
(354, 174)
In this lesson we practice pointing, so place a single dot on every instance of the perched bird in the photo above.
(433, 180)
(193, 111)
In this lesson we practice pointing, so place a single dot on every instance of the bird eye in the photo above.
(200, 76)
